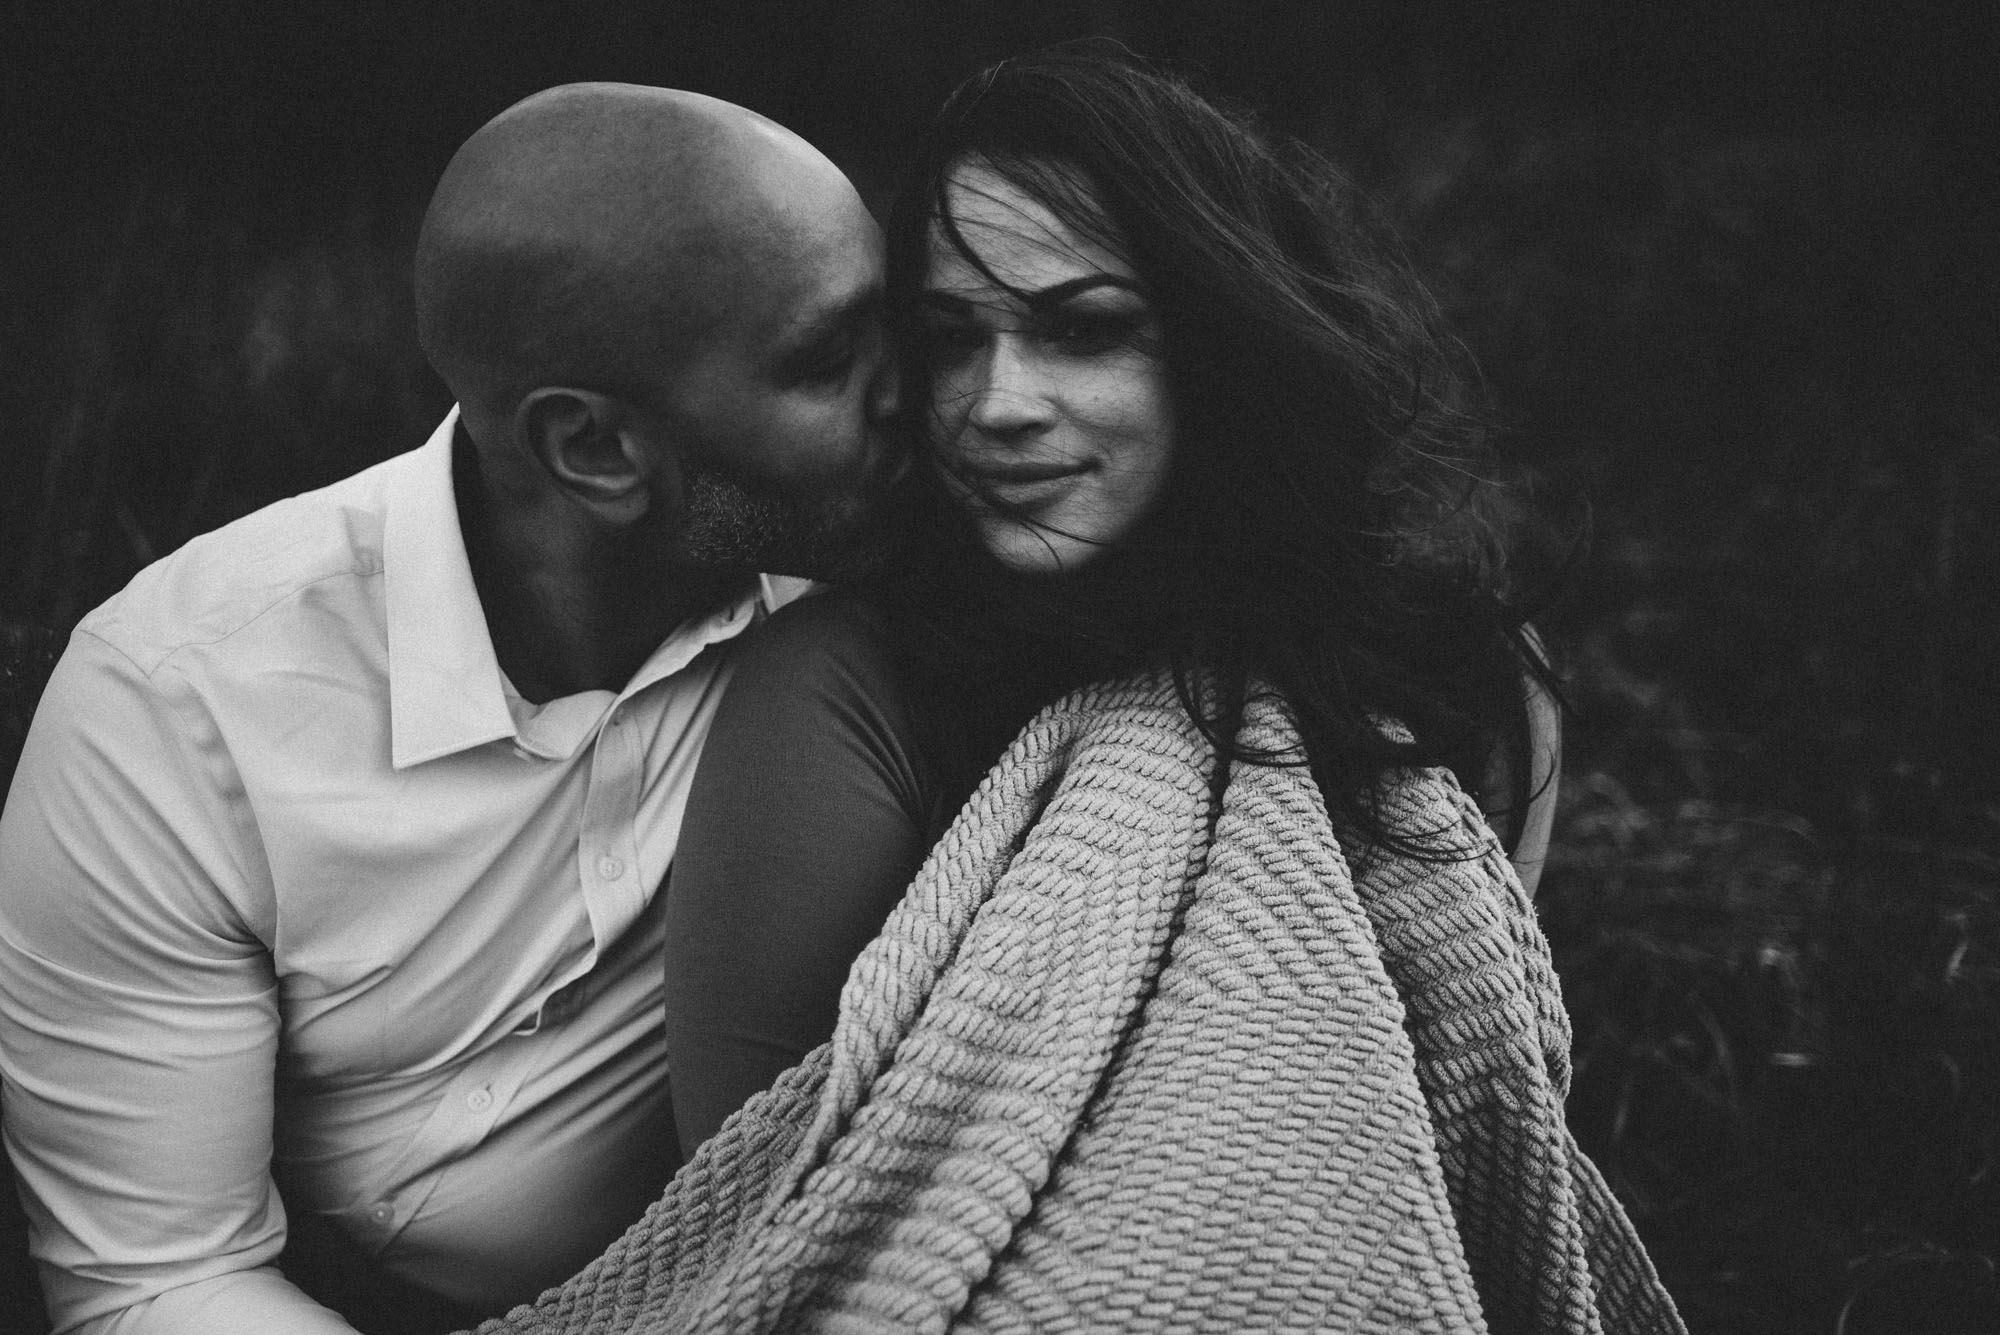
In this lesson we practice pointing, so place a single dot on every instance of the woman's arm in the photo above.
(1519, 792)
(804, 826)
(1544, 773)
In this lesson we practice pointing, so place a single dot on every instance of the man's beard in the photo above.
(733, 524)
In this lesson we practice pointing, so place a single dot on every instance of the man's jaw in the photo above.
(734, 527)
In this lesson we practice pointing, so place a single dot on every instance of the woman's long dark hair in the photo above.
(1326, 529)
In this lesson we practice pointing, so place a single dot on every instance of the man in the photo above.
(332, 860)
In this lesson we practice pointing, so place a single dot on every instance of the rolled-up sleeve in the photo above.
(138, 1017)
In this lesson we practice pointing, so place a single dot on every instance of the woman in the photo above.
(1181, 408)
(1216, 1006)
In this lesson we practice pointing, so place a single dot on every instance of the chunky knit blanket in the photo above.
(1129, 1057)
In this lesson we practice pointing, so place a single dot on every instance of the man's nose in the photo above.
(885, 389)
(1009, 401)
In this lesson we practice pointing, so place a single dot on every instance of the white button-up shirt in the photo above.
(293, 881)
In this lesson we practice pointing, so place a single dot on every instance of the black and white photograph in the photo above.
(1018, 666)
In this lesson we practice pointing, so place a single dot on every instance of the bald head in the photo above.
(661, 316)
(595, 234)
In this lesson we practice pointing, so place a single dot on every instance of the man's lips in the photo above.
(891, 466)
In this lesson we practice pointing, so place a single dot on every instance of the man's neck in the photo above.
(566, 610)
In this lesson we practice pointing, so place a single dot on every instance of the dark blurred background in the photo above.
(1730, 269)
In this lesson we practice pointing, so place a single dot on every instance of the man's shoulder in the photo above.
(213, 586)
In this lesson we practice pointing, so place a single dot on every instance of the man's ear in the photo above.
(589, 443)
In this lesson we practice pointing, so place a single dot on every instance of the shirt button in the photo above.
(610, 868)
(479, 1100)
(382, 1212)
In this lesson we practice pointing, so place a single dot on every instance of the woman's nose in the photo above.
(1010, 400)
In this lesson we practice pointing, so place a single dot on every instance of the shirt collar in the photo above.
(446, 691)
(774, 591)
(560, 728)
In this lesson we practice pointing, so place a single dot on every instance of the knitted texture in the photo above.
(1122, 1060)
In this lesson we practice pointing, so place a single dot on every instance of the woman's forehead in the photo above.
(1015, 237)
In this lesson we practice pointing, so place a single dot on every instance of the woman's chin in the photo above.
(1029, 550)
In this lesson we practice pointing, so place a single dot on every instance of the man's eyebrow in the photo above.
(836, 317)
(1039, 299)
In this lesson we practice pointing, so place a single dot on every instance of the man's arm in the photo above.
(138, 1020)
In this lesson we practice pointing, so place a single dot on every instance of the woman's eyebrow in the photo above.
(1039, 298)
(1058, 293)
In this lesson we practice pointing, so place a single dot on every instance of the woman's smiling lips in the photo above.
(1021, 483)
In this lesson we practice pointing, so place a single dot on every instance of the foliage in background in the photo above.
(1775, 895)
(1775, 892)
(200, 367)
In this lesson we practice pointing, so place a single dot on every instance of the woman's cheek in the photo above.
(947, 420)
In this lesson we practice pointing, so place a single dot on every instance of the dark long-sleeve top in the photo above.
(810, 814)
(807, 820)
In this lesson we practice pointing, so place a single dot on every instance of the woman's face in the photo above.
(1051, 419)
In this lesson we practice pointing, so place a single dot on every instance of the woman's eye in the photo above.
(1086, 335)
(953, 341)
